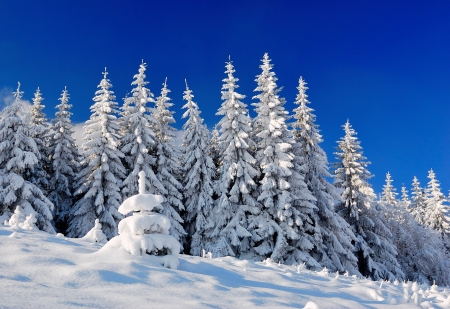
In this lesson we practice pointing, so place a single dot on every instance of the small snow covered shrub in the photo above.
(146, 232)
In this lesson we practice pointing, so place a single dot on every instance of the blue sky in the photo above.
(383, 65)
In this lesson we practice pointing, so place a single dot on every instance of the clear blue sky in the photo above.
(384, 65)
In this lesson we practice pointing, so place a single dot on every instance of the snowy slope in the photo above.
(39, 270)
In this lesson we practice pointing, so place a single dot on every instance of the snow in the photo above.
(140, 202)
(138, 224)
(40, 270)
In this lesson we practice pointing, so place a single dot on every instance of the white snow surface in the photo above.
(141, 202)
(40, 270)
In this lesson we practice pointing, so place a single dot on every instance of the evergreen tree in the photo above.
(332, 244)
(199, 171)
(40, 129)
(64, 155)
(373, 247)
(436, 214)
(417, 208)
(168, 169)
(389, 194)
(279, 222)
(235, 187)
(101, 169)
(19, 154)
(138, 142)
(405, 197)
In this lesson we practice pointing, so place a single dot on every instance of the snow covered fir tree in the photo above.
(373, 246)
(198, 174)
(236, 202)
(101, 173)
(64, 158)
(254, 187)
(333, 248)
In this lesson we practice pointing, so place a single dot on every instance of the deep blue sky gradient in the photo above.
(384, 65)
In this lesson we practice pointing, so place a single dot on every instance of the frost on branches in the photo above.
(64, 154)
(167, 167)
(332, 244)
(101, 169)
(236, 185)
(19, 154)
(373, 246)
(146, 232)
(138, 142)
(198, 172)
(279, 223)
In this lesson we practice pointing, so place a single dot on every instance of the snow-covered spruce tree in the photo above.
(418, 201)
(168, 169)
(333, 247)
(138, 142)
(436, 214)
(64, 155)
(40, 128)
(235, 186)
(405, 197)
(373, 246)
(101, 171)
(19, 153)
(198, 172)
(389, 195)
(279, 225)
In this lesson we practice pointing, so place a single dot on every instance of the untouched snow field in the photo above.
(39, 270)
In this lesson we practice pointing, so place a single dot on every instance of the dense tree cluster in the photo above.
(255, 189)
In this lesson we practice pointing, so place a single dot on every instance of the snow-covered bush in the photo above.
(96, 234)
(146, 232)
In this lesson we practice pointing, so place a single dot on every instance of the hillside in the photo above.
(39, 270)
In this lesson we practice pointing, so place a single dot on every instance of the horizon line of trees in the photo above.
(252, 188)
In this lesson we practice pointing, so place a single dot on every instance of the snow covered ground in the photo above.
(39, 270)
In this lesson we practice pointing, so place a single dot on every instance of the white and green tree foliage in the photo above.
(373, 246)
(436, 214)
(236, 185)
(198, 174)
(167, 168)
(40, 128)
(19, 154)
(333, 246)
(389, 192)
(64, 156)
(279, 221)
(101, 172)
(138, 142)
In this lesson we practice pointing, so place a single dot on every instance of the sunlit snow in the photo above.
(40, 270)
